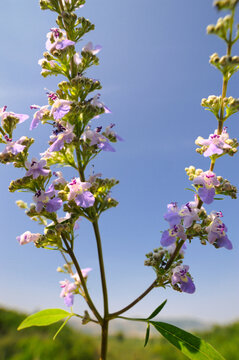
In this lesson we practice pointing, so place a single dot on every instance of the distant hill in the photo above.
(37, 344)
(137, 329)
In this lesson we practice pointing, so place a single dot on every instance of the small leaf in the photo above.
(147, 335)
(218, 198)
(190, 345)
(61, 327)
(157, 311)
(190, 190)
(44, 318)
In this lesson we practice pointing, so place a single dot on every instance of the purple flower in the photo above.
(60, 108)
(109, 132)
(93, 177)
(189, 213)
(180, 276)
(77, 59)
(85, 273)
(216, 143)
(62, 135)
(59, 178)
(172, 215)
(97, 139)
(90, 48)
(208, 180)
(36, 168)
(27, 237)
(79, 192)
(172, 248)
(14, 147)
(67, 292)
(217, 231)
(47, 200)
(20, 117)
(57, 40)
(95, 102)
(171, 235)
(38, 115)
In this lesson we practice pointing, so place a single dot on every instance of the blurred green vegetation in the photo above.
(37, 344)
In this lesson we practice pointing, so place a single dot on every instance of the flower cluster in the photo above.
(69, 289)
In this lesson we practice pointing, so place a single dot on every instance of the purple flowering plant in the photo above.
(74, 143)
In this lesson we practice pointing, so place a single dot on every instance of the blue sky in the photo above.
(154, 70)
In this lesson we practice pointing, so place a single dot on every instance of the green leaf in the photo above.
(44, 318)
(157, 311)
(218, 198)
(61, 327)
(190, 190)
(147, 335)
(190, 345)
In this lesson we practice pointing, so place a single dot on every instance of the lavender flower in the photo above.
(77, 59)
(216, 143)
(57, 40)
(97, 139)
(4, 114)
(171, 235)
(95, 102)
(110, 133)
(14, 147)
(38, 115)
(217, 231)
(189, 213)
(59, 178)
(90, 48)
(180, 276)
(79, 192)
(60, 108)
(208, 180)
(36, 168)
(172, 248)
(172, 215)
(67, 292)
(85, 273)
(27, 237)
(47, 200)
(62, 135)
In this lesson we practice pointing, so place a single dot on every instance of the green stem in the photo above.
(139, 298)
(78, 269)
(225, 78)
(102, 269)
(61, 5)
(80, 168)
(104, 339)
(152, 286)
(224, 93)
(174, 254)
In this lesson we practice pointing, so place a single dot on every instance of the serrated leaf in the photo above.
(147, 335)
(157, 311)
(44, 318)
(190, 345)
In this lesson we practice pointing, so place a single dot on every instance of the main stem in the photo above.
(105, 321)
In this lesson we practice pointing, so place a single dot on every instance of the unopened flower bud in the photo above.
(197, 228)
(198, 172)
(21, 204)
